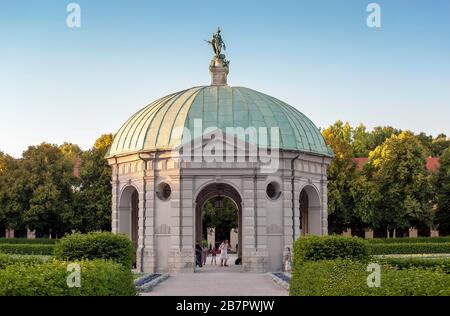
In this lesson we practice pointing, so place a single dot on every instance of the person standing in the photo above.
(224, 247)
(198, 255)
(204, 254)
(214, 255)
(288, 260)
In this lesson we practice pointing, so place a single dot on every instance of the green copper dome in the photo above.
(218, 106)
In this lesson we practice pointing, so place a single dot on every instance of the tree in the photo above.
(93, 199)
(398, 171)
(360, 141)
(223, 220)
(380, 134)
(442, 194)
(45, 175)
(72, 152)
(104, 142)
(426, 142)
(341, 174)
(8, 212)
(2, 162)
(439, 145)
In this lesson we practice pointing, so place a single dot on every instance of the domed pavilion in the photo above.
(211, 142)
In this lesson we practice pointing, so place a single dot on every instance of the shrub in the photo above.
(348, 277)
(409, 248)
(329, 247)
(406, 263)
(409, 240)
(103, 245)
(45, 241)
(7, 260)
(98, 278)
(27, 249)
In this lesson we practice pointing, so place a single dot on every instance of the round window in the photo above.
(164, 191)
(273, 191)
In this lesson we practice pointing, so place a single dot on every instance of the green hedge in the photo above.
(329, 247)
(27, 249)
(46, 241)
(7, 259)
(406, 263)
(103, 245)
(98, 278)
(409, 248)
(409, 240)
(344, 277)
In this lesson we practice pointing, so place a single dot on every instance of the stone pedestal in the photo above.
(347, 233)
(181, 261)
(413, 233)
(31, 234)
(255, 261)
(368, 234)
(219, 71)
(434, 233)
(10, 233)
(145, 260)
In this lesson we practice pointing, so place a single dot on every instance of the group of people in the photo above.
(201, 254)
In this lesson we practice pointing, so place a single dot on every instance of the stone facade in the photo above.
(166, 228)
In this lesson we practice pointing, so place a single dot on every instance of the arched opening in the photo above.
(129, 215)
(223, 200)
(310, 212)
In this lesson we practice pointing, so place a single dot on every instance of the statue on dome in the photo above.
(217, 44)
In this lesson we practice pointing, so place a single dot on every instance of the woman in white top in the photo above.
(224, 253)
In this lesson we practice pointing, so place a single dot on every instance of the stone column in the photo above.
(147, 222)
(287, 213)
(181, 256)
(324, 208)
(254, 259)
(115, 200)
(262, 252)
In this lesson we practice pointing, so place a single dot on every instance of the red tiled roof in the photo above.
(360, 162)
(432, 163)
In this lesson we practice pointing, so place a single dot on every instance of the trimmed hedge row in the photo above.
(409, 248)
(329, 247)
(406, 263)
(45, 241)
(409, 240)
(7, 259)
(345, 277)
(104, 245)
(98, 278)
(27, 249)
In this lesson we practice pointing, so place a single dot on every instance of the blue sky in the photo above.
(60, 84)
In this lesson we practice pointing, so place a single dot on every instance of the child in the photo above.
(213, 255)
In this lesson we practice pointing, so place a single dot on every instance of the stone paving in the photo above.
(214, 280)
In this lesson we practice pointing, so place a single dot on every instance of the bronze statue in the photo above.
(217, 43)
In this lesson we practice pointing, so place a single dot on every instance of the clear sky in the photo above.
(72, 84)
